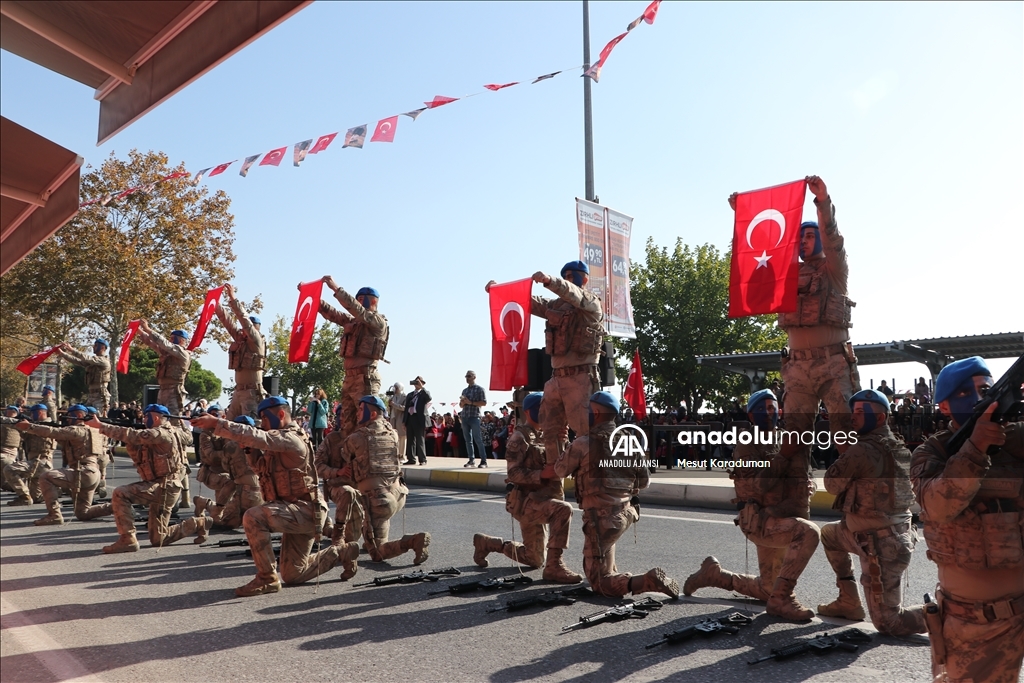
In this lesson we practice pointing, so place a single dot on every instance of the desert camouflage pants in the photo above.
(160, 496)
(244, 400)
(80, 485)
(24, 476)
(8, 456)
(784, 547)
(369, 514)
(536, 518)
(602, 528)
(882, 563)
(978, 650)
(359, 382)
(221, 483)
(239, 499)
(832, 380)
(172, 397)
(297, 525)
(99, 398)
(566, 402)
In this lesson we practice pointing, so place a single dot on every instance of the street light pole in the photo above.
(588, 122)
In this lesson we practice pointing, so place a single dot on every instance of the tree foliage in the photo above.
(324, 369)
(680, 303)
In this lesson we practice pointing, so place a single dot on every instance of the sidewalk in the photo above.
(679, 488)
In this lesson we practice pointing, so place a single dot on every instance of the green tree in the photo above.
(298, 380)
(680, 304)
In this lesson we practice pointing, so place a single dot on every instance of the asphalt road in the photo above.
(68, 612)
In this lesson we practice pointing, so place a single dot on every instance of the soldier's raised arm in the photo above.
(832, 241)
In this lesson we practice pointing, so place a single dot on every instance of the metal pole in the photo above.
(588, 123)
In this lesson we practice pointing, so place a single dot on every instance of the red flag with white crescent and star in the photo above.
(510, 334)
(304, 323)
(765, 250)
(274, 157)
(124, 356)
(634, 393)
(209, 306)
(29, 365)
(385, 130)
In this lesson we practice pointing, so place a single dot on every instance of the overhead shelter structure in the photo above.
(935, 354)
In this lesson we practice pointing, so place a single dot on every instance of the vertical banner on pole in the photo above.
(591, 227)
(619, 308)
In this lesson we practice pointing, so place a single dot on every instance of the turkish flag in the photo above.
(385, 130)
(28, 366)
(495, 87)
(510, 334)
(595, 70)
(322, 143)
(212, 298)
(304, 323)
(220, 169)
(439, 100)
(765, 250)
(274, 157)
(634, 394)
(126, 345)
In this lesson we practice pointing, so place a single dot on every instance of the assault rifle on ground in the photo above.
(628, 609)
(236, 542)
(1007, 393)
(548, 599)
(706, 627)
(412, 577)
(509, 582)
(277, 548)
(848, 640)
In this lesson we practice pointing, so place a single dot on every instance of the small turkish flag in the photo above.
(304, 323)
(510, 334)
(126, 345)
(220, 169)
(212, 298)
(274, 157)
(322, 142)
(595, 70)
(495, 87)
(385, 131)
(765, 241)
(28, 366)
(439, 100)
(634, 394)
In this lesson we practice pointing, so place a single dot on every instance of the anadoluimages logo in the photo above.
(628, 441)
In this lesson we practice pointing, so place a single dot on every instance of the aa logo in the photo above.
(628, 441)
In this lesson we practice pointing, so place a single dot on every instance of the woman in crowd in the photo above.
(318, 409)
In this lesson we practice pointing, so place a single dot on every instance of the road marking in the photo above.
(35, 641)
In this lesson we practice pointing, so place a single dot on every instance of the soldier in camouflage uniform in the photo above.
(247, 356)
(82, 448)
(368, 490)
(10, 438)
(871, 482)
(363, 343)
(159, 456)
(536, 503)
(330, 458)
(607, 496)
(240, 491)
(282, 457)
(105, 459)
(972, 507)
(774, 504)
(97, 372)
(24, 476)
(50, 403)
(213, 468)
(172, 366)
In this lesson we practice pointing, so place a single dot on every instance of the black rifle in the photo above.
(236, 542)
(277, 549)
(509, 582)
(820, 645)
(628, 609)
(706, 627)
(411, 577)
(1006, 393)
(548, 599)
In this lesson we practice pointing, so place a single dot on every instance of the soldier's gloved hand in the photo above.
(541, 278)
(93, 422)
(732, 200)
(986, 432)
(346, 472)
(487, 287)
(817, 187)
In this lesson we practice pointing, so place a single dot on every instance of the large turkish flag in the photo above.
(765, 250)
(510, 334)
(124, 357)
(212, 297)
(634, 393)
(304, 323)
(29, 365)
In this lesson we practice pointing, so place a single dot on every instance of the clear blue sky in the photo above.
(912, 113)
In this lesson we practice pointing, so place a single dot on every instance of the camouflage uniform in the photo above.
(605, 495)
(572, 337)
(247, 356)
(97, 378)
(10, 441)
(239, 492)
(82, 447)
(329, 460)
(972, 507)
(282, 460)
(24, 476)
(213, 470)
(159, 457)
(171, 369)
(871, 482)
(363, 343)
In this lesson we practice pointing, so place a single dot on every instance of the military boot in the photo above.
(126, 543)
(348, 554)
(654, 581)
(202, 528)
(259, 586)
(185, 505)
(484, 544)
(847, 605)
(784, 604)
(555, 569)
(419, 543)
(746, 584)
(52, 518)
(20, 500)
(711, 575)
(101, 491)
(201, 505)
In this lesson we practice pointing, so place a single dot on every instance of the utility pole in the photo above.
(588, 122)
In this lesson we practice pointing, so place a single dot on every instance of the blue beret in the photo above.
(91, 410)
(532, 400)
(215, 406)
(157, 408)
(603, 398)
(375, 402)
(809, 224)
(254, 320)
(14, 408)
(368, 290)
(955, 373)
(78, 408)
(38, 406)
(245, 420)
(576, 265)
(179, 333)
(870, 395)
(47, 387)
(101, 341)
(759, 396)
(271, 402)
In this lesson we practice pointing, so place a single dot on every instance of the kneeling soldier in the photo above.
(25, 476)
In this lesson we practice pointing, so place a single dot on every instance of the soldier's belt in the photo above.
(574, 370)
(982, 612)
(818, 352)
(893, 530)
